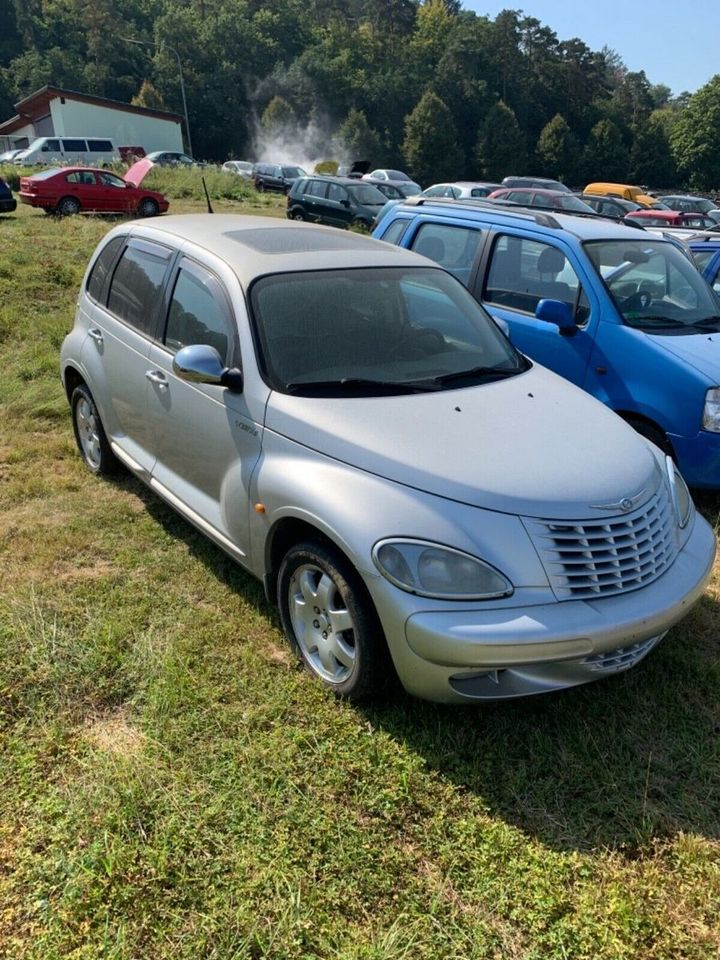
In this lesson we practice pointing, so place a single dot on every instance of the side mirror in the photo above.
(559, 313)
(345, 203)
(201, 363)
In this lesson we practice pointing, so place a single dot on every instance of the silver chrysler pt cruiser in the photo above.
(342, 418)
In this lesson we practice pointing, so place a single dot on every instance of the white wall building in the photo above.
(53, 111)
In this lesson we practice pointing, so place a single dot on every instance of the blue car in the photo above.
(7, 201)
(618, 311)
(706, 253)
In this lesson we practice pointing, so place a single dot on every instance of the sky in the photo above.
(674, 42)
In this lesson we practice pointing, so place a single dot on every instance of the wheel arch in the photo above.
(632, 418)
(283, 534)
(72, 378)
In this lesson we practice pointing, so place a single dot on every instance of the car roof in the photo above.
(543, 191)
(582, 227)
(256, 246)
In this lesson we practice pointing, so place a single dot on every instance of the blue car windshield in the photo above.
(375, 330)
(654, 286)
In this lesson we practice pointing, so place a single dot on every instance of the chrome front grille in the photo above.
(599, 558)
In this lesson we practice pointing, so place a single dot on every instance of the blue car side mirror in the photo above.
(559, 313)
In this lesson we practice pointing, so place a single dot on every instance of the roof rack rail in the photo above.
(543, 219)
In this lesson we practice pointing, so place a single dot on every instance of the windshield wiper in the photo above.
(707, 322)
(495, 373)
(352, 383)
(653, 320)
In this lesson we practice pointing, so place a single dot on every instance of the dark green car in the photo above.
(338, 201)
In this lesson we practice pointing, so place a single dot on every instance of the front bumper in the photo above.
(499, 653)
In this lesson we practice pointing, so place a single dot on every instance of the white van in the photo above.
(92, 152)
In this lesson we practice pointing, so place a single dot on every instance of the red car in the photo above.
(672, 218)
(70, 190)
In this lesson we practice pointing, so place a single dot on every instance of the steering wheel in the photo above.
(640, 300)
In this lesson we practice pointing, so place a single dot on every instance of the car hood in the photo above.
(138, 171)
(533, 445)
(700, 350)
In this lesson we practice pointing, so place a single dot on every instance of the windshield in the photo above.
(371, 331)
(292, 173)
(573, 203)
(396, 175)
(46, 174)
(368, 194)
(654, 286)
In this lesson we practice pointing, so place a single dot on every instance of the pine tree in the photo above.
(431, 148)
(501, 146)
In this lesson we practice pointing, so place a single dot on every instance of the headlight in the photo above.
(711, 411)
(682, 501)
(432, 570)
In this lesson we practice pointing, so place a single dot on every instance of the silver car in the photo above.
(344, 420)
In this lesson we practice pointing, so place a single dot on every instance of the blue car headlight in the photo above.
(433, 570)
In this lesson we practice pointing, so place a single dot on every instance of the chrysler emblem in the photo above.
(624, 505)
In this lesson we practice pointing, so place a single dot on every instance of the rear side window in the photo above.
(316, 188)
(102, 268)
(100, 146)
(74, 146)
(452, 247)
(198, 313)
(81, 176)
(395, 231)
(137, 284)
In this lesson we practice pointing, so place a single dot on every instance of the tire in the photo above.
(148, 208)
(67, 207)
(89, 434)
(330, 622)
(260, 186)
(298, 215)
(653, 434)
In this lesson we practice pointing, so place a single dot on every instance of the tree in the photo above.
(148, 96)
(557, 150)
(431, 148)
(695, 138)
(357, 139)
(501, 148)
(606, 156)
(651, 159)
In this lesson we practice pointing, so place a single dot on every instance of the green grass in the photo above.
(175, 787)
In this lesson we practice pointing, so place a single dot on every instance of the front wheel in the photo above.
(90, 435)
(68, 207)
(330, 621)
(297, 215)
(148, 208)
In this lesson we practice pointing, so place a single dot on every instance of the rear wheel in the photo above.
(90, 435)
(148, 207)
(330, 621)
(68, 207)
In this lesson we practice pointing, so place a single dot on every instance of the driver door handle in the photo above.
(96, 335)
(156, 376)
